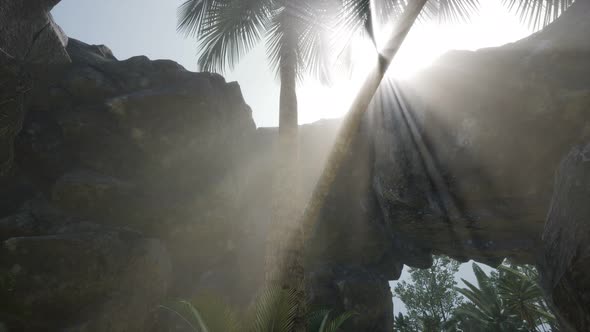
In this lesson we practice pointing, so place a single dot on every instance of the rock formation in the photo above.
(104, 164)
(126, 183)
(461, 162)
(566, 256)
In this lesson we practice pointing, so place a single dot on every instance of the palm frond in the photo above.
(480, 299)
(537, 13)
(191, 15)
(315, 44)
(315, 318)
(471, 311)
(192, 319)
(225, 30)
(281, 40)
(321, 320)
(274, 310)
(362, 16)
(207, 313)
(299, 39)
(335, 323)
(451, 10)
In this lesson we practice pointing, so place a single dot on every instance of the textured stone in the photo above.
(112, 152)
(29, 34)
(465, 151)
(457, 161)
(565, 264)
(353, 289)
(58, 271)
(28, 38)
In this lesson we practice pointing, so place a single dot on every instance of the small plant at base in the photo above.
(273, 311)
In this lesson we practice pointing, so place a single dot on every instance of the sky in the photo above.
(148, 27)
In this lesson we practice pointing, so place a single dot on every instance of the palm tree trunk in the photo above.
(284, 258)
(285, 253)
(353, 118)
(285, 247)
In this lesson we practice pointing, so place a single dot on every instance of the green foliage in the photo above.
(485, 307)
(273, 311)
(522, 295)
(207, 314)
(508, 300)
(431, 296)
(403, 323)
(226, 30)
(324, 321)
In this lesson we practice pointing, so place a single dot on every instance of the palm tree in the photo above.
(508, 301)
(296, 34)
(521, 294)
(486, 307)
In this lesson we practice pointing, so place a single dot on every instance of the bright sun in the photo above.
(492, 26)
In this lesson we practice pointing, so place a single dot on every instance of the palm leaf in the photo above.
(200, 325)
(356, 14)
(315, 43)
(197, 316)
(191, 15)
(315, 318)
(337, 322)
(225, 29)
(451, 10)
(537, 13)
(274, 311)
(281, 41)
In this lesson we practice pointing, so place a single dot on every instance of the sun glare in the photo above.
(492, 26)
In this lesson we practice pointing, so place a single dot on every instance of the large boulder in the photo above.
(58, 272)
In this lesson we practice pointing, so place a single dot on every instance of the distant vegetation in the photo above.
(509, 299)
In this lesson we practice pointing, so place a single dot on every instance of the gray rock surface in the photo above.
(28, 37)
(57, 272)
(29, 34)
(114, 181)
(130, 182)
(564, 267)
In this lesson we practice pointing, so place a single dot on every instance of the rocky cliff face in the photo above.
(465, 153)
(124, 183)
(117, 183)
(460, 161)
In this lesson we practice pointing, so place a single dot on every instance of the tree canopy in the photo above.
(508, 299)
(430, 297)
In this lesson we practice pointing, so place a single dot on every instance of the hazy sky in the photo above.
(148, 27)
